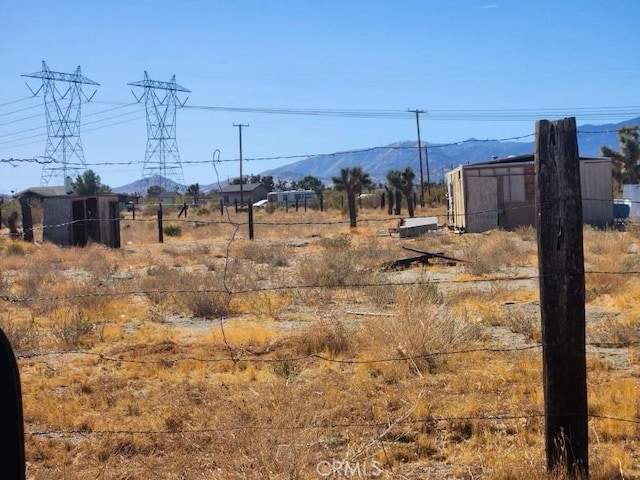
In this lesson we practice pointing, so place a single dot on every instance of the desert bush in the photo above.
(172, 230)
(337, 264)
(70, 326)
(491, 253)
(202, 211)
(421, 334)
(522, 322)
(275, 255)
(323, 336)
(22, 333)
(607, 254)
(206, 296)
(14, 248)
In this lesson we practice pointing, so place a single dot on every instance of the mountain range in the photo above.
(377, 161)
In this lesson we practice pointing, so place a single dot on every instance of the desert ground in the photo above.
(298, 355)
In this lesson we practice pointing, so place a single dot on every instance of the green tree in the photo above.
(310, 182)
(352, 181)
(236, 181)
(625, 163)
(154, 190)
(267, 181)
(88, 183)
(193, 190)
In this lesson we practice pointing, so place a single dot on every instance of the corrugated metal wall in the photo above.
(597, 191)
(514, 191)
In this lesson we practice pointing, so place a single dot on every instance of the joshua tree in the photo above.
(352, 181)
(402, 182)
(626, 167)
(194, 191)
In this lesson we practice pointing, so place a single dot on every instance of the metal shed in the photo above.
(501, 193)
(75, 219)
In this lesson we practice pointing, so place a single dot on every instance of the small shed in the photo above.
(501, 193)
(251, 192)
(77, 219)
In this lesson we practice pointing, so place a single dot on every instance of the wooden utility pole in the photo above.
(562, 296)
(240, 125)
(418, 112)
(160, 227)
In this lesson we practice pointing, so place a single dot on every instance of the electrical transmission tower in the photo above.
(161, 101)
(63, 154)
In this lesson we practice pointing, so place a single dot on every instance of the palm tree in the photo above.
(352, 181)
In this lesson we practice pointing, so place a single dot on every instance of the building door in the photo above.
(482, 204)
(114, 225)
(79, 224)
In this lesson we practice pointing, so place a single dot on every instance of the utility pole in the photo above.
(562, 296)
(240, 125)
(418, 112)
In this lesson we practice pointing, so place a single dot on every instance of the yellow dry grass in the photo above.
(215, 357)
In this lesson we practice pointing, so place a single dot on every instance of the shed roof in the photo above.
(526, 158)
(246, 187)
(53, 191)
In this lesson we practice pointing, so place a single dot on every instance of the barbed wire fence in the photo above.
(236, 224)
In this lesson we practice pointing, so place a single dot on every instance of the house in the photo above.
(77, 219)
(251, 193)
(501, 193)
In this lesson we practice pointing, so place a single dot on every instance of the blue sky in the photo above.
(483, 69)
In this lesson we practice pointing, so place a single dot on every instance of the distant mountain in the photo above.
(140, 186)
(377, 161)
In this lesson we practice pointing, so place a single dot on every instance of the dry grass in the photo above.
(226, 358)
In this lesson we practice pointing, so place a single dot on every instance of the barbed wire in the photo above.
(429, 420)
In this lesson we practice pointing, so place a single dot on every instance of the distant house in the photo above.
(501, 193)
(251, 193)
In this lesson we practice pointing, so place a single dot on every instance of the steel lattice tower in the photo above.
(162, 156)
(62, 108)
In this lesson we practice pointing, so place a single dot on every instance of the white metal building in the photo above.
(501, 194)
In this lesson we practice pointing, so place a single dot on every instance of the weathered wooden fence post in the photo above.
(221, 207)
(160, 229)
(12, 458)
(562, 296)
(250, 220)
(27, 220)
